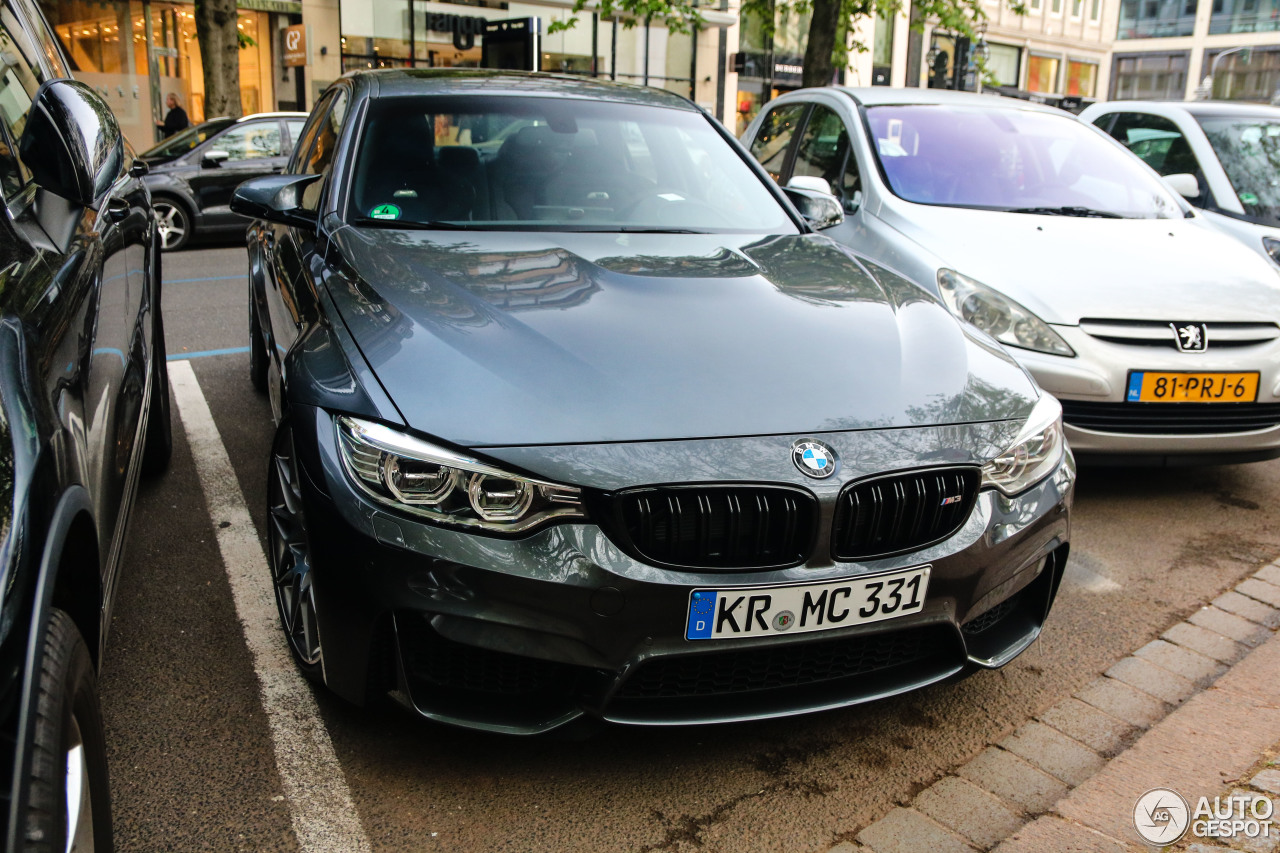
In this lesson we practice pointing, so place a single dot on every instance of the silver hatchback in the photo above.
(1156, 331)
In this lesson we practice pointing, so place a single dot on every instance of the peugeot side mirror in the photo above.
(1184, 184)
(275, 198)
(814, 201)
(72, 143)
(213, 159)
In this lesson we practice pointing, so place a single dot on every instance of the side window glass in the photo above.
(774, 138)
(302, 142)
(824, 153)
(20, 77)
(1162, 146)
(250, 141)
(319, 160)
(295, 131)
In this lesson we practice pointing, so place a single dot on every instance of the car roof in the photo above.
(400, 82)
(1203, 108)
(884, 95)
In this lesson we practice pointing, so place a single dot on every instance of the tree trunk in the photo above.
(825, 24)
(220, 55)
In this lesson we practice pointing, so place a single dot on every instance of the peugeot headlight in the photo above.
(998, 315)
(1272, 247)
(1033, 455)
(447, 487)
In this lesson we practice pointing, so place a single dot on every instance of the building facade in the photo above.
(1164, 49)
(137, 52)
(439, 33)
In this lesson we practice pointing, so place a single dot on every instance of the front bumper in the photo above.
(525, 635)
(1092, 387)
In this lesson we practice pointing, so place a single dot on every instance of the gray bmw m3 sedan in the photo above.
(578, 417)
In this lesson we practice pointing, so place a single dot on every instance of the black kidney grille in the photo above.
(719, 527)
(1171, 418)
(778, 667)
(902, 512)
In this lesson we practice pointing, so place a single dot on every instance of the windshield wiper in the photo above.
(437, 224)
(1066, 210)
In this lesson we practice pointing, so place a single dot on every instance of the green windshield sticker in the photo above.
(1248, 198)
(385, 211)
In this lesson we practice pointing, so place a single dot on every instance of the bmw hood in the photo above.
(500, 338)
(1067, 268)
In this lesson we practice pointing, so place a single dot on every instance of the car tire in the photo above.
(289, 556)
(68, 753)
(257, 349)
(157, 445)
(173, 222)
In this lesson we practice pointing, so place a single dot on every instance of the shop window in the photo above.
(1042, 74)
(1082, 79)
(1155, 76)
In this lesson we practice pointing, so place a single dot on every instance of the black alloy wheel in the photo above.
(289, 548)
(173, 222)
(69, 799)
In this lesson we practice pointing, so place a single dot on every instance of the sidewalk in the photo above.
(1196, 711)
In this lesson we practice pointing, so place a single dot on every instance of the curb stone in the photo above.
(1019, 788)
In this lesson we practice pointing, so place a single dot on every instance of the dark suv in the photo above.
(84, 410)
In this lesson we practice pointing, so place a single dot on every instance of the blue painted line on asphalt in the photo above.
(183, 356)
(205, 278)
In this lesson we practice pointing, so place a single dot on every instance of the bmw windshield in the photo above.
(1249, 150)
(1016, 160)
(507, 163)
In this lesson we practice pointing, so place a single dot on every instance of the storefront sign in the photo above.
(295, 45)
(280, 7)
(465, 28)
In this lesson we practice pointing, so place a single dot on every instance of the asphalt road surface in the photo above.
(200, 760)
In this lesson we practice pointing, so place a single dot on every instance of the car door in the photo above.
(1161, 144)
(245, 150)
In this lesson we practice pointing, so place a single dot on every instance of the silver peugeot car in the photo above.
(578, 418)
(1156, 331)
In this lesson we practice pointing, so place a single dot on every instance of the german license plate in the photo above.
(800, 608)
(1154, 387)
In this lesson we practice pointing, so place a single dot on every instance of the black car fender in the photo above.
(64, 540)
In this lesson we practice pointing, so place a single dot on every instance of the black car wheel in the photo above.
(173, 223)
(69, 804)
(290, 553)
(257, 349)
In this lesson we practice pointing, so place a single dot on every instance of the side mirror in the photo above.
(820, 209)
(810, 182)
(72, 143)
(275, 198)
(1184, 184)
(214, 159)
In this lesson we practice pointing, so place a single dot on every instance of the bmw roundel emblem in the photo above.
(814, 459)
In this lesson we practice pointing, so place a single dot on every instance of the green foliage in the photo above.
(244, 40)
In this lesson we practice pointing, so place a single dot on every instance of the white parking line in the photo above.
(324, 816)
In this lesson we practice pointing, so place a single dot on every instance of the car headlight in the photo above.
(1033, 455)
(445, 486)
(998, 315)
(1272, 247)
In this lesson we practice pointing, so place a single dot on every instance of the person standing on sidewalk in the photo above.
(176, 119)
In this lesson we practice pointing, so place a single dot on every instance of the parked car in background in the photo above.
(1229, 151)
(194, 172)
(593, 425)
(84, 409)
(1156, 331)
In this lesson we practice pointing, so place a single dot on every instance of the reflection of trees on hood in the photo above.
(722, 263)
(813, 269)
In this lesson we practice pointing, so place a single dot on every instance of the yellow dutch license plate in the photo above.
(1168, 387)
